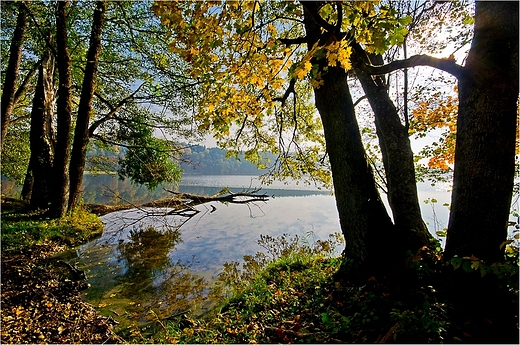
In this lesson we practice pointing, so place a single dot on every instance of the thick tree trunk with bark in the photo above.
(39, 178)
(60, 193)
(365, 224)
(397, 157)
(81, 133)
(484, 172)
(11, 74)
(486, 133)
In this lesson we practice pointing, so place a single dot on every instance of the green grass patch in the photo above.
(290, 294)
(23, 229)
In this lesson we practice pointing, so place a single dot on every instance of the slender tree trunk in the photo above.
(39, 177)
(486, 133)
(365, 224)
(81, 134)
(11, 74)
(61, 162)
(397, 157)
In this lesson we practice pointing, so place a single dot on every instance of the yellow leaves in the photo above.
(434, 114)
(302, 69)
(339, 53)
(316, 83)
(257, 81)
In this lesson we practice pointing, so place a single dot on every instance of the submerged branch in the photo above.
(183, 203)
(230, 197)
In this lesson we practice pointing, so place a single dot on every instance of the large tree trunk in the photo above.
(364, 221)
(483, 173)
(81, 133)
(61, 161)
(397, 157)
(11, 74)
(486, 133)
(39, 178)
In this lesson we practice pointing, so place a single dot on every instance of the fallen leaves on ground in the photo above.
(41, 301)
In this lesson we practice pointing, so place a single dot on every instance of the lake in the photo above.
(147, 264)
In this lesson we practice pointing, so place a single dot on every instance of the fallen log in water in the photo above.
(183, 203)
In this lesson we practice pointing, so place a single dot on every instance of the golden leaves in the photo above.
(234, 53)
(239, 67)
(338, 53)
(302, 70)
(437, 113)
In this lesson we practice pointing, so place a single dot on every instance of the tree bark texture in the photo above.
(364, 221)
(397, 157)
(39, 177)
(11, 74)
(486, 133)
(81, 133)
(61, 162)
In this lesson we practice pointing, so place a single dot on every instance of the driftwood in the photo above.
(229, 197)
(183, 203)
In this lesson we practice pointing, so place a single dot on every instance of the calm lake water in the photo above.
(148, 265)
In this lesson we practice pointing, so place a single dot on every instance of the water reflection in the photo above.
(133, 276)
(149, 264)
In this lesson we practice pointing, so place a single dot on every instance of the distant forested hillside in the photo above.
(196, 160)
(212, 161)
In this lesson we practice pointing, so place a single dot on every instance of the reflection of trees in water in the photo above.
(152, 279)
(146, 282)
(109, 189)
(147, 254)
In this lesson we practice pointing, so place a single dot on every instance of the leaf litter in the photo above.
(41, 300)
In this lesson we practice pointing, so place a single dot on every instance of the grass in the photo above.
(292, 294)
(22, 229)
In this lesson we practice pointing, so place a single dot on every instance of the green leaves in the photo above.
(150, 164)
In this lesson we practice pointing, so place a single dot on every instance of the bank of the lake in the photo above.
(41, 295)
(144, 255)
(295, 298)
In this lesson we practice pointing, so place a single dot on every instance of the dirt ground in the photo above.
(41, 301)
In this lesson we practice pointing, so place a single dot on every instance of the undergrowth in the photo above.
(22, 229)
(290, 294)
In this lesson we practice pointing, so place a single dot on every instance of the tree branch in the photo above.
(313, 11)
(337, 30)
(23, 86)
(291, 41)
(228, 198)
(113, 110)
(289, 90)
(417, 60)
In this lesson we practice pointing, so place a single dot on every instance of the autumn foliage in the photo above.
(437, 113)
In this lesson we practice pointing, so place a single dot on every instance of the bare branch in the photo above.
(113, 110)
(289, 90)
(417, 60)
(230, 197)
(359, 100)
(291, 41)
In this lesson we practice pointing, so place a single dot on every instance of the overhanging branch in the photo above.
(291, 41)
(289, 90)
(113, 110)
(417, 60)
